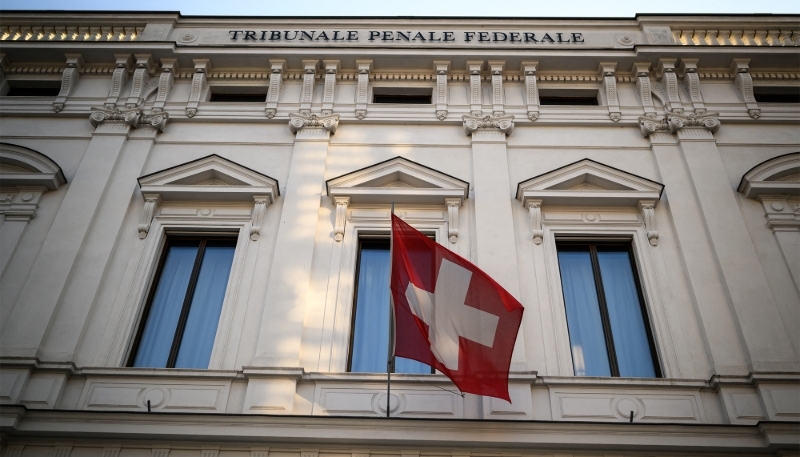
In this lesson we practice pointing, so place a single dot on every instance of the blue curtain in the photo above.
(589, 354)
(159, 331)
(625, 315)
(201, 325)
(371, 329)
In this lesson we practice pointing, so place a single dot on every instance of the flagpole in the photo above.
(390, 358)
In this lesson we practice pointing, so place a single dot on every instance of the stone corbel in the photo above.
(145, 67)
(669, 84)
(606, 70)
(151, 202)
(165, 82)
(535, 212)
(744, 83)
(647, 207)
(474, 68)
(341, 217)
(531, 90)
(504, 124)
(364, 67)
(259, 213)
(496, 67)
(691, 81)
(441, 68)
(329, 94)
(5, 64)
(644, 88)
(328, 123)
(452, 218)
(201, 67)
(307, 92)
(278, 68)
(69, 78)
(118, 79)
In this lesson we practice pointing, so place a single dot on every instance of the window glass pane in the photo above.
(201, 325)
(625, 314)
(371, 329)
(159, 331)
(589, 354)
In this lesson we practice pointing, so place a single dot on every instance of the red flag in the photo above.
(451, 315)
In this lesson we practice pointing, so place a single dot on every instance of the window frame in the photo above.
(190, 290)
(605, 319)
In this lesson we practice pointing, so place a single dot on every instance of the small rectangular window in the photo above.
(239, 98)
(607, 322)
(568, 97)
(51, 92)
(777, 94)
(185, 302)
(402, 95)
(369, 341)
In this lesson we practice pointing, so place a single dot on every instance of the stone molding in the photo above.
(672, 123)
(327, 123)
(134, 117)
(504, 124)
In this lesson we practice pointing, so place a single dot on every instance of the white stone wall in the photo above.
(722, 298)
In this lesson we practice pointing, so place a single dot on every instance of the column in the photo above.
(287, 287)
(496, 248)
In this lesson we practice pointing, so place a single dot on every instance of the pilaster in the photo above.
(69, 78)
(278, 68)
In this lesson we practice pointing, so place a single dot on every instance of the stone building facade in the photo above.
(268, 151)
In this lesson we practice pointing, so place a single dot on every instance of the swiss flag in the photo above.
(451, 315)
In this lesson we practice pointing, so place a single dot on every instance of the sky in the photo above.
(472, 8)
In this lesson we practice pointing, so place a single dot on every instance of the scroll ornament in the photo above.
(131, 116)
(503, 123)
(328, 122)
(673, 122)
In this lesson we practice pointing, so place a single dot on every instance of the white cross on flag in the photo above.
(451, 315)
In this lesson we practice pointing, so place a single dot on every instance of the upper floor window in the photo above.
(369, 346)
(185, 303)
(608, 328)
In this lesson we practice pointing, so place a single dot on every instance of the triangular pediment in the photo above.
(776, 176)
(587, 182)
(210, 178)
(399, 180)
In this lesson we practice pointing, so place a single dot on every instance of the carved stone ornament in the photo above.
(671, 123)
(329, 122)
(258, 215)
(452, 218)
(69, 78)
(503, 123)
(275, 81)
(341, 217)
(131, 116)
(648, 211)
(151, 202)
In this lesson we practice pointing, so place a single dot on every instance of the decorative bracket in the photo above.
(168, 69)
(278, 68)
(133, 117)
(535, 211)
(669, 82)
(69, 78)
(362, 90)
(259, 212)
(144, 68)
(496, 67)
(307, 92)
(691, 80)
(341, 217)
(441, 68)
(452, 218)
(201, 67)
(606, 70)
(531, 91)
(644, 88)
(151, 202)
(4, 67)
(328, 122)
(647, 207)
(475, 96)
(504, 124)
(744, 83)
(118, 79)
(331, 68)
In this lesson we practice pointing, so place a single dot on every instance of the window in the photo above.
(369, 347)
(777, 94)
(402, 95)
(608, 328)
(239, 98)
(568, 97)
(184, 306)
(25, 91)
